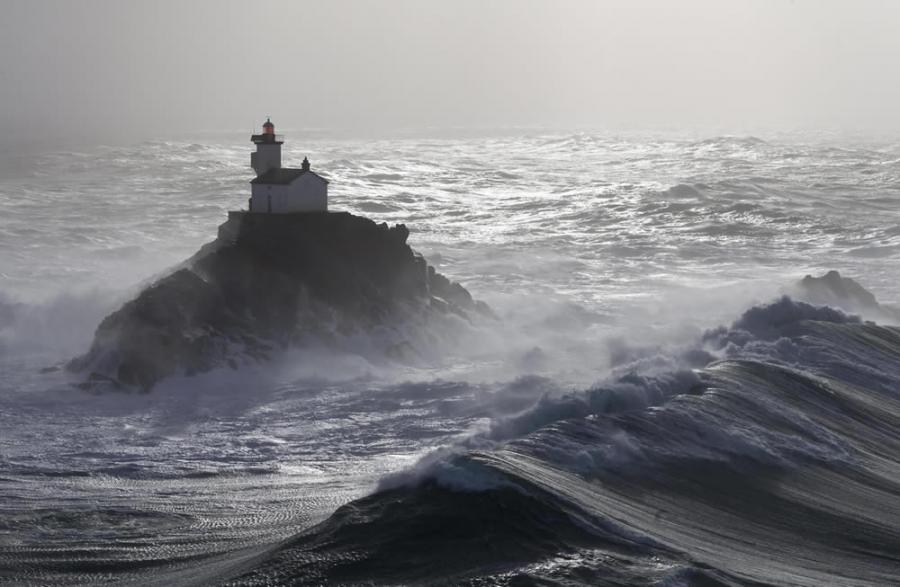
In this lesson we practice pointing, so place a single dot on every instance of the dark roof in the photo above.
(283, 176)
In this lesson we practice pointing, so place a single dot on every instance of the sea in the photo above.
(647, 408)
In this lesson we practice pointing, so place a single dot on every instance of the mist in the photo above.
(120, 71)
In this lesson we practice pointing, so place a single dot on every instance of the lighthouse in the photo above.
(283, 190)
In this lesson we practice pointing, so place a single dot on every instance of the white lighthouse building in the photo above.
(282, 190)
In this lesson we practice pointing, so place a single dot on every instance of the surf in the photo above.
(776, 464)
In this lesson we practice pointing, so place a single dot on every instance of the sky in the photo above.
(141, 68)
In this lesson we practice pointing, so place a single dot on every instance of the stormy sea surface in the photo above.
(649, 409)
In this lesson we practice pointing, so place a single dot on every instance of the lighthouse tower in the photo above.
(268, 149)
(282, 190)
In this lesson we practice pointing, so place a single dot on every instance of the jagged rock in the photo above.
(271, 281)
(836, 291)
(831, 288)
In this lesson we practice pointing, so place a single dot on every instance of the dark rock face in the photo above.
(842, 292)
(267, 282)
(832, 289)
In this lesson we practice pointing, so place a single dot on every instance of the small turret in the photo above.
(305, 165)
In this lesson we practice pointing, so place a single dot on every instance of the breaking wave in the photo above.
(776, 463)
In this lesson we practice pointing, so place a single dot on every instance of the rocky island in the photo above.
(834, 290)
(269, 282)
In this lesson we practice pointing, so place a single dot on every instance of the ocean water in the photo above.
(604, 431)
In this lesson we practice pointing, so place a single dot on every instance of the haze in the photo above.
(139, 69)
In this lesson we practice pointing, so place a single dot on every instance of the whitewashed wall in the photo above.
(307, 193)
